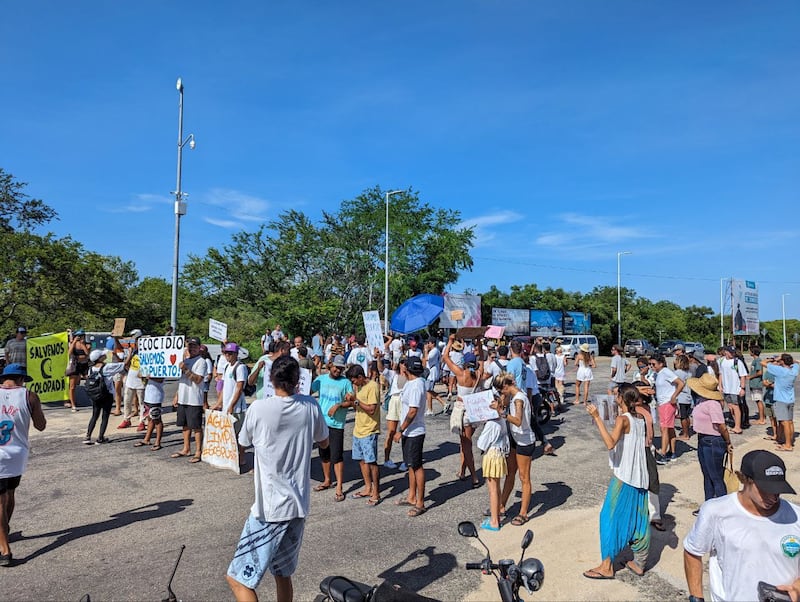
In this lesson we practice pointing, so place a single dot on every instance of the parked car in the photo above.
(667, 348)
(571, 344)
(692, 346)
(637, 347)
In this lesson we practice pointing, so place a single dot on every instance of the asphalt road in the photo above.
(109, 520)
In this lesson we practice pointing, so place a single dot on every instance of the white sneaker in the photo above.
(428, 413)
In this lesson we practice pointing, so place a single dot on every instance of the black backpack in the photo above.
(248, 389)
(542, 369)
(96, 387)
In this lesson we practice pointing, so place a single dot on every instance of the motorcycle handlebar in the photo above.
(471, 566)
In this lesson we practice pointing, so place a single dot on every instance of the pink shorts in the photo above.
(666, 416)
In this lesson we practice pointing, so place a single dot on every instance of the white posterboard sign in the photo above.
(477, 407)
(217, 330)
(372, 326)
(303, 387)
(160, 357)
(220, 447)
(607, 408)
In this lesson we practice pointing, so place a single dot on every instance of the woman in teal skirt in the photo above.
(624, 516)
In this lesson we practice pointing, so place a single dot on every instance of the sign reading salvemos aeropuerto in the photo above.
(47, 362)
(160, 357)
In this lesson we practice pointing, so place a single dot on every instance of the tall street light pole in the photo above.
(783, 313)
(386, 267)
(180, 208)
(619, 298)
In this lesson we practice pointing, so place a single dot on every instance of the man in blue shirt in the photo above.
(784, 372)
(336, 395)
(516, 365)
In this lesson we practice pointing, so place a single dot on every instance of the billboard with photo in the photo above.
(516, 321)
(744, 307)
(576, 322)
(454, 305)
(545, 323)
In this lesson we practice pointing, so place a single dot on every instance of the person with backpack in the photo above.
(99, 389)
(541, 367)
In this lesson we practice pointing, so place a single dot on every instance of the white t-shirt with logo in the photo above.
(229, 385)
(360, 356)
(745, 548)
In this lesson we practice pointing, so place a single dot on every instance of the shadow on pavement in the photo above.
(415, 579)
(122, 519)
(554, 496)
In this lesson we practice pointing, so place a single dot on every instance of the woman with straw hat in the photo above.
(713, 439)
(584, 375)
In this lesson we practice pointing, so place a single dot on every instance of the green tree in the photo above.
(307, 275)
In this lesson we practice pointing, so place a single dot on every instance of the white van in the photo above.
(571, 344)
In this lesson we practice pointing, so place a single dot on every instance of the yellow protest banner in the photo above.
(47, 362)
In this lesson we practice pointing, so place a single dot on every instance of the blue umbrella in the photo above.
(416, 313)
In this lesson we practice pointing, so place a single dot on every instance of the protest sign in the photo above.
(47, 358)
(303, 387)
(477, 406)
(217, 330)
(372, 326)
(220, 448)
(160, 357)
(494, 332)
(119, 327)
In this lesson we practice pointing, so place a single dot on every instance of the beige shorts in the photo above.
(393, 412)
(757, 394)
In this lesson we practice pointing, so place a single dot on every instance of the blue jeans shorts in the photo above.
(262, 546)
(366, 448)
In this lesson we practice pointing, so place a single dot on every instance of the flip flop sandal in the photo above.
(322, 487)
(358, 495)
(371, 502)
(519, 520)
(141, 444)
(416, 511)
(592, 574)
(194, 460)
(404, 503)
(155, 448)
(339, 497)
(178, 455)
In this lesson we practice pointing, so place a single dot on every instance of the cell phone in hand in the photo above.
(768, 593)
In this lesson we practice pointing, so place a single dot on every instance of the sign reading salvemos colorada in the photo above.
(47, 362)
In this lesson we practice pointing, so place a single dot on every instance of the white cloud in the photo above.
(590, 231)
(140, 204)
(238, 205)
(222, 223)
(483, 224)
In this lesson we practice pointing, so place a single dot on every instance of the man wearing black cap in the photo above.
(411, 432)
(752, 535)
(18, 408)
(16, 348)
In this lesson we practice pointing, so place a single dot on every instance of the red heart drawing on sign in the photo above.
(172, 359)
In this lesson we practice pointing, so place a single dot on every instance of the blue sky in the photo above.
(565, 131)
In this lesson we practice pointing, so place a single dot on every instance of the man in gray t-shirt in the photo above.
(16, 348)
(619, 367)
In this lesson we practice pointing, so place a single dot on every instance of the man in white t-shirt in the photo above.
(751, 536)
(411, 432)
(396, 348)
(233, 400)
(189, 400)
(282, 430)
(619, 367)
(733, 377)
(432, 360)
(266, 339)
(360, 354)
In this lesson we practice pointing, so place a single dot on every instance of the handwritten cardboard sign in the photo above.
(477, 407)
(495, 332)
(220, 447)
(160, 357)
(119, 327)
(372, 326)
(303, 387)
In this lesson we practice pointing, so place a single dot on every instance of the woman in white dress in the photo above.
(560, 371)
(584, 374)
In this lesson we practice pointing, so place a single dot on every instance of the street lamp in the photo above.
(783, 312)
(619, 299)
(180, 207)
(386, 267)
